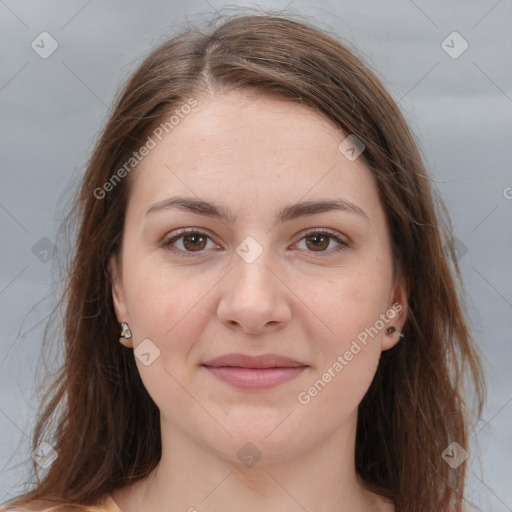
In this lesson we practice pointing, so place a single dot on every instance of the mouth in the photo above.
(255, 372)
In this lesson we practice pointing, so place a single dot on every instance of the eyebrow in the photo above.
(287, 213)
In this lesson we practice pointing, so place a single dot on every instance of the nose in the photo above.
(254, 298)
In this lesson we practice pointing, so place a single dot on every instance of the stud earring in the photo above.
(125, 332)
(391, 330)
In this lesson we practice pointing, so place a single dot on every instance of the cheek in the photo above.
(349, 356)
(171, 306)
(351, 306)
(334, 394)
(159, 298)
(351, 302)
(166, 306)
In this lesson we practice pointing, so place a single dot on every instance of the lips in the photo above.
(254, 372)
(246, 361)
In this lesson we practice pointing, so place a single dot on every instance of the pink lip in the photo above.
(254, 378)
(254, 372)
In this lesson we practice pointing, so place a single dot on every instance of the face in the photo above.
(279, 245)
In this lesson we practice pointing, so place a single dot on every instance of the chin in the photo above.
(268, 443)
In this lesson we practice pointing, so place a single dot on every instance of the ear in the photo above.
(118, 298)
(397, 314)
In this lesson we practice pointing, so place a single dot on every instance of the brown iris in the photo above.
(321, 242)
(197, 242)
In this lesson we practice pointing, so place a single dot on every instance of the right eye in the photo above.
(191, 240)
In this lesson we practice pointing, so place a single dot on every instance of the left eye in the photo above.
(320, 241)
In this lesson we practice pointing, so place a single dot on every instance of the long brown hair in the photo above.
(107, 431)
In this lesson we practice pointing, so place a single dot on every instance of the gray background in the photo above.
(459, 108)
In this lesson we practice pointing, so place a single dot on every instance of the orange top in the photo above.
(107, 504)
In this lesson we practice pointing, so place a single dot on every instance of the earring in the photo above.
(125, 331)
(391, 330)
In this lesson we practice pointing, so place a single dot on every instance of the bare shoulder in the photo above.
(106, 504)
(27, 507)
(36, 506)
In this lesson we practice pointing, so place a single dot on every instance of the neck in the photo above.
(191, 478)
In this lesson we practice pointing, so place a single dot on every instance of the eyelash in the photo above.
(167, 243)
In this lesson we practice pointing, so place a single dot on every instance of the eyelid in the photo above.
(326, 231)
(180, 233)
(342, 240)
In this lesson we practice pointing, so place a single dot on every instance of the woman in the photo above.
(260, 314)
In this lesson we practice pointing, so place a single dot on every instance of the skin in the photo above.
(300, 298)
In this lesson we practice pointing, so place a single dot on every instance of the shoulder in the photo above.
(38, 506)
(34, 506)
(105, 504)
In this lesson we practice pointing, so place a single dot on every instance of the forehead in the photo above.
(241, 122)
(245, 147)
